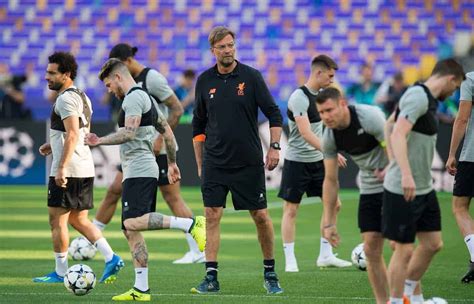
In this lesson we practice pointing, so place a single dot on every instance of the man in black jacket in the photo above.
(228, 97)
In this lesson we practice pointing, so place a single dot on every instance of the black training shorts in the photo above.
(370, 212)
(299, 178)
(246, 185)
(464, 180)
(78, 193)
(138, 197)
(401, 220)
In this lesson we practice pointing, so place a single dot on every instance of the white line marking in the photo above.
(226, 296)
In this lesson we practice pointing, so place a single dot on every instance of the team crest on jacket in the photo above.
(240, 89)
(212, 92)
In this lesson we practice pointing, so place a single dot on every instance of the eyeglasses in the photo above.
(222, 47)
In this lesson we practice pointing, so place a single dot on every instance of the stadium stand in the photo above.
(284, 35)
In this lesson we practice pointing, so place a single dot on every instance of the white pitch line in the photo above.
(296, 297)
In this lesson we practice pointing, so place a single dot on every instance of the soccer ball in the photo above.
(81, 249)
(79, 279)
(358, 257)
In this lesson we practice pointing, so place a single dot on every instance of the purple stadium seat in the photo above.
(268, 32)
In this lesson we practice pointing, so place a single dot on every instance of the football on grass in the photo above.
(79, 279)
(81, 249)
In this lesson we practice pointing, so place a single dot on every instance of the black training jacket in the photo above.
(226, 112)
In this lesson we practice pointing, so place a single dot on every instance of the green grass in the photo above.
(25, 252)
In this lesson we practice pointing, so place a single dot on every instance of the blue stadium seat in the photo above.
(269, 32)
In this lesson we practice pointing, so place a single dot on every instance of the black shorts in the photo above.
(464, 180)
(78, 193)
(299, 178)
(138, 197)
(162, 161)
(401, 220)
(246, 185)
(370, 212)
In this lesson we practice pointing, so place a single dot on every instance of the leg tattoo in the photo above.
(155, 221)
(140, 254)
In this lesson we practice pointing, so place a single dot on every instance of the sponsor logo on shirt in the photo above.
(240, 89)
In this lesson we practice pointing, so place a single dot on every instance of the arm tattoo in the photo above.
(121, 136)
(140, 254)
(170, 149)
(124, 134)
(161, 123)
(155, 221)
(175, 110)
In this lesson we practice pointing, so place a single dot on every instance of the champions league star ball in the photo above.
(79, 279)
(81, 249)
(358, 257)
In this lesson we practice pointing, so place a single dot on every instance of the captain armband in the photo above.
(200, 138)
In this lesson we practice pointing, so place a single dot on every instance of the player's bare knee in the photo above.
(53, 221)
(260, 217)
(433, 246)
(172, 198)
(127, 235)
(459, 209)
(73, 221)
(212, 215)
(290, 210)
(405, 251)
(130, 224)
(372, 251)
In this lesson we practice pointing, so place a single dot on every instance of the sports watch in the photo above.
(275, 145)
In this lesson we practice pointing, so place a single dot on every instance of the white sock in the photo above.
(417, 299)
(410, 286)
(193, 246)
(395, 301)
(183, 224)
(104, 248)
(289, 250)
(325, 249)
(99, 225)
(61, 263)
(141, 279)
(469, 240)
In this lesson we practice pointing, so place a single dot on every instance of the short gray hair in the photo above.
(218, 33)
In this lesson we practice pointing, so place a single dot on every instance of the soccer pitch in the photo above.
(26, 252)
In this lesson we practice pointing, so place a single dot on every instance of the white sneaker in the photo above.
(332, 261)
(291, 267)
(191, 257)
